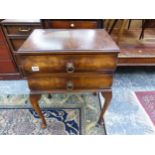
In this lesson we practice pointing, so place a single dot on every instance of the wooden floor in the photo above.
(135, 52)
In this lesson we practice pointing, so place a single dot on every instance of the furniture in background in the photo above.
(8, 68)
(146, 23)
(66, 61)
(72, 23)
(133, 51)
(17, 31)
(121, 29)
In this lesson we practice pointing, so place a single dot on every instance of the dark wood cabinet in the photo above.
(8, 68)
(16, 32)
(4, 52)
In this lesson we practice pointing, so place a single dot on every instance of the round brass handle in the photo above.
(70, 67)
(69, 86)
(72, 25)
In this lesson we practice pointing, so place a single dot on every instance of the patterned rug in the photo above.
(65, 114)
(147, 101)
(124, 116)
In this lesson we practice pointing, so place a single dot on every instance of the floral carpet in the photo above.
(20, 122)
(65, 114)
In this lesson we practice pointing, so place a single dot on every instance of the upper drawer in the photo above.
(68, 63)
(21, 29)
(72, 24)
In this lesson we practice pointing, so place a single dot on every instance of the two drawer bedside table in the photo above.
(61, 61)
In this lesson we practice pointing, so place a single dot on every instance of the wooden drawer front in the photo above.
(68, 63)
(4, 51)
(72, 24)
(16, 43)
(7, 66)
(70, 83)
(21, 29)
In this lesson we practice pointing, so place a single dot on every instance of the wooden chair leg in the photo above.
(34, 102)
(113, 25)
(108, 97)
(109, 22)
(129, 23)
(143, 28)
(121, 30)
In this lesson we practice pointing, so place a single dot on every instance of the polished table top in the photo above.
(69, 40)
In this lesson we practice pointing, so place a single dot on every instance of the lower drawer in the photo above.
(70, 83)
(7, 66)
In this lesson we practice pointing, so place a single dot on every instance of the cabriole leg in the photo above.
(107, 96)
(34, 102)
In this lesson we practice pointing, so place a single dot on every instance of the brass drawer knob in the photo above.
(72, 25)
(69, 86)
(70, 67)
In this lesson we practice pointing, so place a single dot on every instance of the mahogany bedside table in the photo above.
(60, 61)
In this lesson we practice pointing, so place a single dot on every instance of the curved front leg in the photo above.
(34, 98)
(107, 96)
